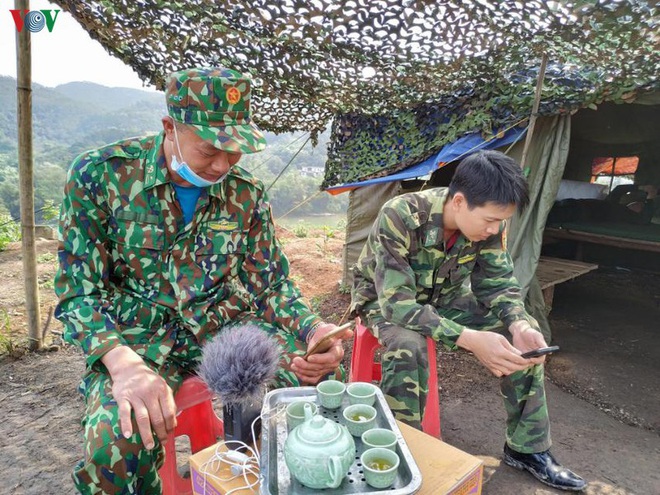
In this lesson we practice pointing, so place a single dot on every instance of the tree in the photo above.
(10, 198)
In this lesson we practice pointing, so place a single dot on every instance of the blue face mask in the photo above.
(184, 171)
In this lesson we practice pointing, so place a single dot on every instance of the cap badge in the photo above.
(233, 95)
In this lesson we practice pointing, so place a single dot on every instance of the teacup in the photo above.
(359, 418)
(330, 393)
(295, 413)
(361, 393)
(379, 438)
(380, 467)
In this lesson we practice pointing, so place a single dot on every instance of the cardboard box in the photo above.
(207, 477)
(446, 470)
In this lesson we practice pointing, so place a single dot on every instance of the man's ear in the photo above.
(458, 200)
(168, 126)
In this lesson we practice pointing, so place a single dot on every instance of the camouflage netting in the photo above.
(401, 78)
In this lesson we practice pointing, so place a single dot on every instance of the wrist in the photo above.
(120, 359)
(310, 333)
(466, 339)
(519, 326)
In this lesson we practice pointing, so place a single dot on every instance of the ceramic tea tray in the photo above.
(275, 478)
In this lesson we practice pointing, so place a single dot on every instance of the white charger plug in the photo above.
(237, 470)
(237, 457)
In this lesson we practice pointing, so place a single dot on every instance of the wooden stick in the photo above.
(48, 318)
(535, 109)
(25, 176)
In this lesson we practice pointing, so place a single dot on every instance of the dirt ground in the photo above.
(603, 387)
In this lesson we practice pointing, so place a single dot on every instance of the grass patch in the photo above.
(46, 258)
(335, 222)
(7, 345)
(315, 302)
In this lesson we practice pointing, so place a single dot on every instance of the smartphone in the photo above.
(327, 341)
(541, 351)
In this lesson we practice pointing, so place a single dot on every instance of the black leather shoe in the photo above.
(544, 468)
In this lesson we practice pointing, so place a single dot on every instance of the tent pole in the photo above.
(535, 109)
(25, 173)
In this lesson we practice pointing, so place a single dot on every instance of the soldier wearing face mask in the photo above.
(164, 240)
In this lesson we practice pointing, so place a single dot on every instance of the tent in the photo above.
(449, 153)
(611, 130)
(563, 147)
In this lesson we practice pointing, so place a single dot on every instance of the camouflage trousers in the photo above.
(115, 465)
(406, 371)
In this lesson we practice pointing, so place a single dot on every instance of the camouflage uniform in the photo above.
(133, 273)
(408, 285)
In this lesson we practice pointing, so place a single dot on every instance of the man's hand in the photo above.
(317, 366)
(493, 351)
(526, 338)
(137, 388)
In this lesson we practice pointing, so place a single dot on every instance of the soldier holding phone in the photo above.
(436, 265)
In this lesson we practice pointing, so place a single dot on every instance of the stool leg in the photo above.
(198, 421)
(431, 419)
(363, 367)
(169, 473)
(202, 434)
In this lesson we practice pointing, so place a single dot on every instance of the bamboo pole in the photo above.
(535, 110)
(25, 175)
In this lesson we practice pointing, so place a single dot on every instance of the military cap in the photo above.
(215, 102)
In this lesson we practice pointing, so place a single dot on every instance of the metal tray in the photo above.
(275, 478)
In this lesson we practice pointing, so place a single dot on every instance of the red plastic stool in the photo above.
(196, 419)
(365, 369)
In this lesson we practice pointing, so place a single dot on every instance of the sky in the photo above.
(66, 54)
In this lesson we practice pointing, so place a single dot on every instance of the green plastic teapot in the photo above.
(319, 452)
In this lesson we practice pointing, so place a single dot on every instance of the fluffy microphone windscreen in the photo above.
(238, 363)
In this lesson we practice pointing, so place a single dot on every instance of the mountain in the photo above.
(78, 116)
(82, 115)
(74, 117)
(107, 98)
(67, 120)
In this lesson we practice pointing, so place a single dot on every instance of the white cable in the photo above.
(241, 463)
(248, 485)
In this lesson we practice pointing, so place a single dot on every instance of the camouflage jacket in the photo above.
(132, 273)
(406, 274)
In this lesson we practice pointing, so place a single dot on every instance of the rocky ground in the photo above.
(603, 387)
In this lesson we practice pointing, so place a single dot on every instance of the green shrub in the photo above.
(50, 211)
(10, 231)
(6, 342)
(300, 231)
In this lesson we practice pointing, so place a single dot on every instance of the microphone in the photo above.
(237, 365)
